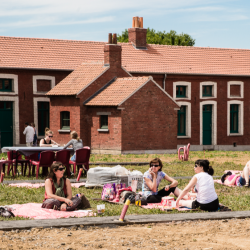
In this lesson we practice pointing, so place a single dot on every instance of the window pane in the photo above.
(8, 105)
(182, 123)
(1, 84)
(46, 105)
(177, 90)
(1, 105)
(40, 105)
(104, 121)
(7, 84)
(65, 120)
(209, 90)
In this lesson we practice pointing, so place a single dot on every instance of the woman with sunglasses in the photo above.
(152, 179)
(207, 198)
(47, 141)
(58, 192)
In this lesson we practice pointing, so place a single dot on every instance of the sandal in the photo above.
(247, 184)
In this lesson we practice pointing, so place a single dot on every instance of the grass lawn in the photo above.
(238, 199)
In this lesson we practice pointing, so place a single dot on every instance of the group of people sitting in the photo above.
(206, 197)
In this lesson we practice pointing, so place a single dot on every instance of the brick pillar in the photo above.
(138, 37)
(113, 55)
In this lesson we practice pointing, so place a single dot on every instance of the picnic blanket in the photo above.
(35, 211)
(233, 172)
(38, 185)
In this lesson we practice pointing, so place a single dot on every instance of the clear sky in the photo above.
(213, 23)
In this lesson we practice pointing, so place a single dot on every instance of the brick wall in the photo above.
(110, 140)
(43, 85)
(59, 104)
(159, 78)
(234, 90)
(149, 120)
(25, 92)
(222, 138)
(137, 36)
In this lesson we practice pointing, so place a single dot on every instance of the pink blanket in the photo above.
(38, 185)
(161, 207)
(35, 211)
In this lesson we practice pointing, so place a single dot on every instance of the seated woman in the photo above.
(231, 179)
(75, 142)
(244, 179)
(152, 179)
(207, 198)
(58, 193)
(47, 141)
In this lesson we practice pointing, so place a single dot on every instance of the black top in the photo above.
(46, 142)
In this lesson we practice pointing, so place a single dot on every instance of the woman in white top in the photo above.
(207, 198)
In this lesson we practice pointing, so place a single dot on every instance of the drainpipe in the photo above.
(165, 76)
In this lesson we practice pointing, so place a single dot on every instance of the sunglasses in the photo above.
(196, 165)
(50, 136)
(155, 166)
(61, 169)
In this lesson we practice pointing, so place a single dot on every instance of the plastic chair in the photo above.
(82, 158)
(63, 156)
(46, 160)
(2, 164)
(33, 157)
(16, 159)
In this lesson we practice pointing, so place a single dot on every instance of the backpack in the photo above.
(6, 213)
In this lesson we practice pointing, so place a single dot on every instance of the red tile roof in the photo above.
(80, 78)
(68, 54)
(118, 91)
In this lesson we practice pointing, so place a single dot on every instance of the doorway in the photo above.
(207, 124)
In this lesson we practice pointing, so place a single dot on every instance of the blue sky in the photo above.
(220, 23)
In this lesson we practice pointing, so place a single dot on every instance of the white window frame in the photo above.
(240, 119)
(16, 125)
(35, 78)
(15, 84)
(188, 119)
(214, 121)
(188, 90)
(36, 100)
(235, 83)
(214, 90)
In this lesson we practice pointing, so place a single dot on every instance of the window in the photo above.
(180, 91)
(104, 121)
(182, 121)
(5, 85)
(207, 90)
(65, 120)
(43, 117)
(234, 118)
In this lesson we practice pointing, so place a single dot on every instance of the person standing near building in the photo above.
(29, 133)
(35, 135)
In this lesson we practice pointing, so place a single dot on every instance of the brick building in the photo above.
(211, 86)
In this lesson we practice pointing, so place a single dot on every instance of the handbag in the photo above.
(108, 192)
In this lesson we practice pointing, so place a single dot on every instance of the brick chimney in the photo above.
(137, 35)
(112, 52)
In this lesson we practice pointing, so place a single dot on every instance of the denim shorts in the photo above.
(73, 158)
(242, 181)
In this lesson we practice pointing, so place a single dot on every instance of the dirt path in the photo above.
(223, 234)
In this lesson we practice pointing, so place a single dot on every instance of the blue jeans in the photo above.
(73, 158)
(242, 181)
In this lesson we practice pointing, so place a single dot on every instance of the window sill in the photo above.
(235, 134)
(103, 130)
(64, 130)
(183, 136)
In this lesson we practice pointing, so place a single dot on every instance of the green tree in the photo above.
(165, 38)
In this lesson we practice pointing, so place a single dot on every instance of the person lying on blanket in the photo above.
(152, 179)
(231, 179)
(58, 193)
(207, 198)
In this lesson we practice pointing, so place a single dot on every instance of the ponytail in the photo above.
(206, 167)
(75, 136)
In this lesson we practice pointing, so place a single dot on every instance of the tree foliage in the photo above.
(164, 38)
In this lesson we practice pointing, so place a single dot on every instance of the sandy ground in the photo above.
(223, 234)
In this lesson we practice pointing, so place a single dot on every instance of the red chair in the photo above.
(82, 158)
(2, 164)
(63, 156)
(46, 160)
(33, 157)
(16, 159)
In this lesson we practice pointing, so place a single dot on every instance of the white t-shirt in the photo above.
(205, 187)
(29, 132)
